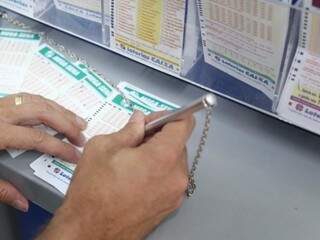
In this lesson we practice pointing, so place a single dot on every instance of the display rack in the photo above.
(241, 50)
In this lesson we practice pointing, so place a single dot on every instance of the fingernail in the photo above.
(21, 205)
(82, 140)
(81, 123)
(78, 154)
(137, 116)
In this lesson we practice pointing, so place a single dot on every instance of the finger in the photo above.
(30, 99)
(36, 113)
(11, 196)
(153, 116)
(79, 121)
(9, 101)
(173, 136)
(132, 134)
(34, 139)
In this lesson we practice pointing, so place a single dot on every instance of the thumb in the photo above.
(11, 196)
(133, 133)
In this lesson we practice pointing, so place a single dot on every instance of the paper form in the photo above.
(25, 7)
(149, 30)
(16, 51)
(244, 39)
(69, 84)
(106, 120)
(87, 9)
(311, 27)
(148, 99)
(300, 100)
(53, 171)
(50, 74)
(110, 117)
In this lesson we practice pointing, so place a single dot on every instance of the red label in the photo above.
(316, 3)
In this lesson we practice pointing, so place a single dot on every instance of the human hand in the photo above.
(16, 132)
(125, 185)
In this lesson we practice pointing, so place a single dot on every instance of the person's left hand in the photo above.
(16, 132)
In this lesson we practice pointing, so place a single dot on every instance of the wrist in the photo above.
(65, 225)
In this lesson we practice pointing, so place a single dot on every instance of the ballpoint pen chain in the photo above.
(209, 110)
(203, 140)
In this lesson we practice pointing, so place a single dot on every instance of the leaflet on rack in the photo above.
(108, 118)
(25, 7)
(16, 51)
(151, 31)
(244, 39)
(87, 9)
(311, 28)
(300, 100)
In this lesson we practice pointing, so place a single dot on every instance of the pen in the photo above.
(206, 101)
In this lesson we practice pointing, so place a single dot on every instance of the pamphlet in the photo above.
(300, 100)
(25, 7)
(16, 49)
(87, 9)
(151, 31)
(244, 39)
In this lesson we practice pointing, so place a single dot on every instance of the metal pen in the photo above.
(206, 101)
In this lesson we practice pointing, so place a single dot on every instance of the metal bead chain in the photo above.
(204, 136)
(203, 140)
(12, 20)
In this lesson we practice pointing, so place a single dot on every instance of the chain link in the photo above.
(63, 50)
(203, 140)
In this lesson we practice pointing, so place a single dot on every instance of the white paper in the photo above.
(151, 31)
(110, 117)
(25, 7)
(87, 9)
(246, 39)
(16, 51)
(300, 100)
(310, 28)
(149, 100)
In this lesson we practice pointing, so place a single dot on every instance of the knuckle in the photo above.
(27, 97)
(182, 183)
(98, 142)
(178, 203)
(5, 114)
(48, 107)
(6, 136)
(4, 193)
(38, 137)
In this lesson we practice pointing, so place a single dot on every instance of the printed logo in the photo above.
(299, 107)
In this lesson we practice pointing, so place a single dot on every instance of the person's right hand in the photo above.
(125, 185)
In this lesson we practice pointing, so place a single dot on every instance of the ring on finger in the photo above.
(18, 100)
